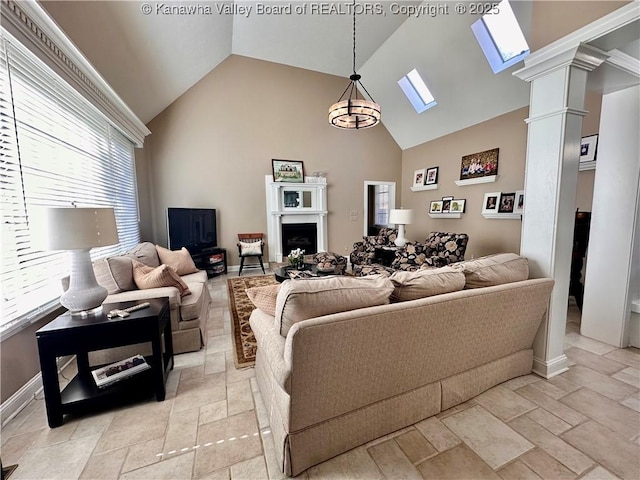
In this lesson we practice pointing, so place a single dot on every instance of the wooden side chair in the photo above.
(250, 245)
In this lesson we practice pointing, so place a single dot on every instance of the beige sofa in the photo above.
(336, 381)
(188, 313)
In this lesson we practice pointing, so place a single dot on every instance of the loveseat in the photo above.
(335, 374)
(188, 308)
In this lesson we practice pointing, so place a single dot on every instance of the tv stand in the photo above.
(212, 259)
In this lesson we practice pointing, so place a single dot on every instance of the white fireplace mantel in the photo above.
(294, 203)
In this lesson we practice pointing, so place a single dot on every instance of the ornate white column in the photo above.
(558, 86)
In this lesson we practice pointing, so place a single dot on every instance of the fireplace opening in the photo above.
(299, 235)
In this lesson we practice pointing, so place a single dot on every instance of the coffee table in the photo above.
(281, 274)
(69, 335)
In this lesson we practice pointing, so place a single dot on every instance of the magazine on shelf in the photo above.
(113, 372)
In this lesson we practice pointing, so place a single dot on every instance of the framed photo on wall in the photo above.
(446, 204)
(457, 205)
(419, 177)
(435, 206)
(490, 203)
(589, 148)
(481, 164)
(507, 202)
(287, 171)
(519, 205)
(432, 176)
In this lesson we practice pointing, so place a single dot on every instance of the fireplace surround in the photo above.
(290, 205)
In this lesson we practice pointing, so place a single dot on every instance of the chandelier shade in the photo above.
(351, 112)
(354, 113)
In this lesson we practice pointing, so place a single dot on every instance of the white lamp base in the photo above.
(84, 293)
(400, 240)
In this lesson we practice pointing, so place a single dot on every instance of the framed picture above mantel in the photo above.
(291, 171)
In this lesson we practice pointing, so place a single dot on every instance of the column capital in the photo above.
(580, 56)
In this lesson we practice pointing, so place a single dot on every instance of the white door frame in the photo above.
(392, 200)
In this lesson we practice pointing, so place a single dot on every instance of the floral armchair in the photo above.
(438, 250)
(364, 251)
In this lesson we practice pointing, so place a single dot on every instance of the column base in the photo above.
(550, 368)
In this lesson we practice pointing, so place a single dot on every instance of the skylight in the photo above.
(416, 91)
(501, 38)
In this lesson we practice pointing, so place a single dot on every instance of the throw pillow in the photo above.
(146, 253)
(250, 248)
(425, 283)
(104, 277)
(494, 270)
(409, 258)
(122, 272)
(179, 260)
(314, 297)
(264, 298)
(162, 276)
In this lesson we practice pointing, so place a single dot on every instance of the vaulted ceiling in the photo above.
(151, 55)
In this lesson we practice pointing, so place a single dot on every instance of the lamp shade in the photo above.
(354, 113)
(401, 217)
(75, 228)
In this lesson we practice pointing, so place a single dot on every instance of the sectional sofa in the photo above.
(344, 360)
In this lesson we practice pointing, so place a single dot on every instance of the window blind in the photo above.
(57, 150)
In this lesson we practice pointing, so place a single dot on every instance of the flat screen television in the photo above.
(192, 228)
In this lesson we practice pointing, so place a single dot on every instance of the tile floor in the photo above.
(584, 423)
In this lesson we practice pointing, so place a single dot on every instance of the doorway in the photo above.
(379, 200)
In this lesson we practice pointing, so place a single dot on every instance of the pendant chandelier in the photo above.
(351, 112)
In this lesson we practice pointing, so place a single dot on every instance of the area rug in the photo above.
(244, 343)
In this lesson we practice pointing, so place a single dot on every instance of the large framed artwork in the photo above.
(288, 171)
(481, 164)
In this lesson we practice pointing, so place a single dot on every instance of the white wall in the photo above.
(613, 271)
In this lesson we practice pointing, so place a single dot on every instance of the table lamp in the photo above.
(401, 218)
(78, 230)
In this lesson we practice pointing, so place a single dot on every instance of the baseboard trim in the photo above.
(19, 400)
(551, 368)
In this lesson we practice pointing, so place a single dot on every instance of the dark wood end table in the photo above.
(75, 335)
